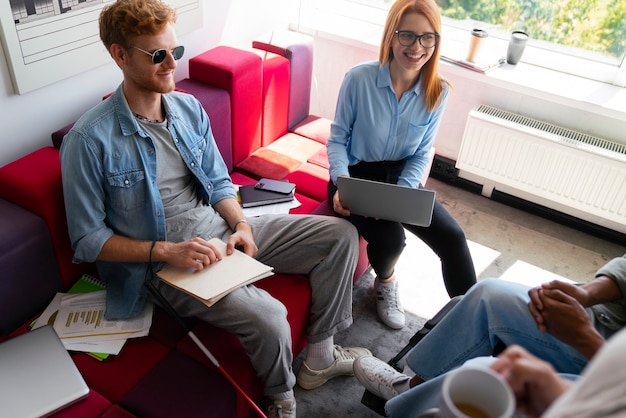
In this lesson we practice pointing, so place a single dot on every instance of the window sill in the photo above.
(574, 91)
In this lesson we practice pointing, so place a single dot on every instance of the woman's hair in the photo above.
(124, 20)
(431, 79)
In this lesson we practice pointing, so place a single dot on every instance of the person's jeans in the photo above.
(493, 314)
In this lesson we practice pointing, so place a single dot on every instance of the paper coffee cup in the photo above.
(473, 392)
(477, 39)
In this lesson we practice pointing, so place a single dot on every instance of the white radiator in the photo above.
(571, 172)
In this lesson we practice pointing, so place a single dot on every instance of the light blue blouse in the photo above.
(372, 125)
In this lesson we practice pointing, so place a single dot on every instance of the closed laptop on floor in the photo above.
(37, 375)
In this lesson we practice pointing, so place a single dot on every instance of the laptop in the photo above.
(387, 201)
(37, 375)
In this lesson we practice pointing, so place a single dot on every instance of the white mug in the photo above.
(476, 392)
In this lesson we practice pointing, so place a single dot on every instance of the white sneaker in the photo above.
(342, 366)
(388, 304)
(379, 377)
(284, 408)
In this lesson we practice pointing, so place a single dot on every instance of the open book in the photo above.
(219, 279)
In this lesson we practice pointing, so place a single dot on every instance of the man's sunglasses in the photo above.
(159, 55)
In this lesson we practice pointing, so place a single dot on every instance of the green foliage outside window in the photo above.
(598, 26)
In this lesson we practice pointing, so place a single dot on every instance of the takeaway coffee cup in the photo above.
(476, 392)
(517, 43)
(477, 39)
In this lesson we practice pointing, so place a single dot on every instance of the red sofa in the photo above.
(256, 116)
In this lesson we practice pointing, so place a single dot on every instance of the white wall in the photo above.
(28, 120)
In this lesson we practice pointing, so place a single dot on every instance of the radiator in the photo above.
(568, 171)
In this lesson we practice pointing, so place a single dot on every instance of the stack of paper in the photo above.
(78, 319)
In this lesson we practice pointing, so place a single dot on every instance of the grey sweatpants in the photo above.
(324, 248)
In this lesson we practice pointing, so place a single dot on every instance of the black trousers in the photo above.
(386, 239)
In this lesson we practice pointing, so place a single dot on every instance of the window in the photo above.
(581, 37)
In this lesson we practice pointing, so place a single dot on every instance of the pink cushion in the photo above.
(320, 158)
(240, 73)
(313, 127)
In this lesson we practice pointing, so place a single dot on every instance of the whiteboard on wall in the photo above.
(44, 43)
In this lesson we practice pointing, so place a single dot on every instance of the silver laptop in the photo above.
(37, 375)
(386, 201)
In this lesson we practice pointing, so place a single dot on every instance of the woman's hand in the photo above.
(338, 207)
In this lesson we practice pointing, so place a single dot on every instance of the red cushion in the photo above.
(116, 411)
(115, 376)
(275, 96)
(181, 387)
(312, 180)
(229, 352)
(240, 73)
(269, 164)
(307, 205)
(94, 405)
(34, 182)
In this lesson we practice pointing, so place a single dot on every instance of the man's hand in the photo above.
(534, 382)
(558, 308)
(195, 253)
(243, 239)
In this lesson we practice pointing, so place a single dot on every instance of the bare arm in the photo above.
(194, 253)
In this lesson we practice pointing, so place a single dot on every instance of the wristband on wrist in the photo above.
(234, 228)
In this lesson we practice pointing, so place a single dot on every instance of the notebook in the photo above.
(251, 196)
(387, 201)
(37, 375)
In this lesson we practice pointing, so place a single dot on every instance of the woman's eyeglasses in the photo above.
(159, 55)
(408, 38)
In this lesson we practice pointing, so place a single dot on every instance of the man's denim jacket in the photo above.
(109, 185)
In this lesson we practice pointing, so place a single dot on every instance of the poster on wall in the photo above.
(45, 41)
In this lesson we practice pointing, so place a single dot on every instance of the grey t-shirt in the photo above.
(186, 214)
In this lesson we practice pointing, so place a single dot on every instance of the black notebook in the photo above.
(251, 196)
